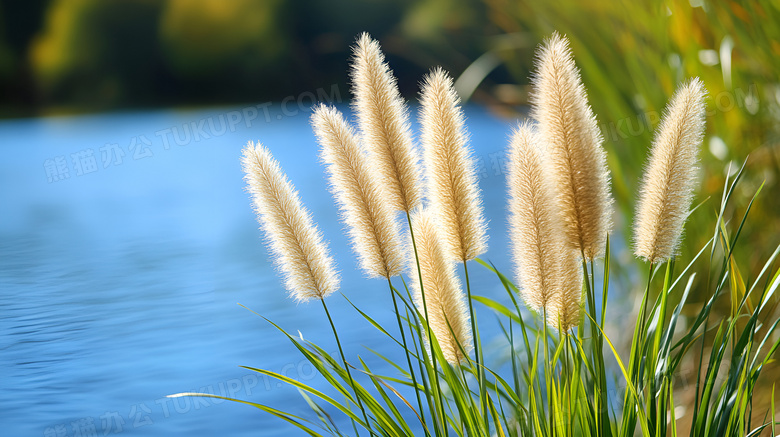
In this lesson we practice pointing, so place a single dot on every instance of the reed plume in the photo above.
(444, 299)
(384, 125)
(548, 271)
(671, 175)
(450, 168)
(370, 223)
(575, 156)
(293, 239)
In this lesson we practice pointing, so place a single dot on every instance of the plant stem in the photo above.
(408, 358)
(435, 376)
(597, 346)
(548, 374)
(643, 314)
(567, 372)
(477, 352)
(638, 347)
(413, 316)
(346, 366)
(422, 365)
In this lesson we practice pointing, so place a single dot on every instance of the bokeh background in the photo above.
(126, 238)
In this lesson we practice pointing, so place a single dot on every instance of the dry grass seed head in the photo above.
(371, 226)
(575, 155)
(384, 124)
(453, 190)
(547, 269)
(296, 244)
(444, 299)
(671, 175)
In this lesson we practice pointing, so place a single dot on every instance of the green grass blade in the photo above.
(634, 394)
(289, 418)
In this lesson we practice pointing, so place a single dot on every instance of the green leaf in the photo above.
(290, 418)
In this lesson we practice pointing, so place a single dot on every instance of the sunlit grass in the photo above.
(565, 376)
(558, 383)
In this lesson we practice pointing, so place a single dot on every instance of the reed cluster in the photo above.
(560, 217)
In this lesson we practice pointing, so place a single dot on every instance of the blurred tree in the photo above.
(228, 47)
(90, 54)
(19, 21)
(99, 53)
(456, 29)
(324, 32)
(7, 58)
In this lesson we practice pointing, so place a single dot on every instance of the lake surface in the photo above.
(126, 242)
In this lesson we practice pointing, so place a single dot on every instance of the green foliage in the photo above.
(212, 39)
(97, 53)
(560, 384)
(7, 61)
(91, 54)
(632, 56)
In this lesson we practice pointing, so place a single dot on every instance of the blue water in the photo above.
(120, 280)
